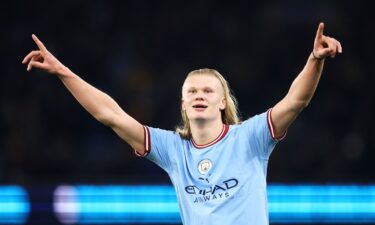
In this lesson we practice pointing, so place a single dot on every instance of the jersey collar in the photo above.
(222, 134)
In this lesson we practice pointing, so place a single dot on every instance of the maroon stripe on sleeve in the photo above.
(146, 143)
(271, 127)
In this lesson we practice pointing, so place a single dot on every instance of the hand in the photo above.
(325, 46)
(42, 59)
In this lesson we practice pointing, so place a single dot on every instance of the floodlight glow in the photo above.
(116, 204)
(158, 204)
(14, 205)
(321, 204)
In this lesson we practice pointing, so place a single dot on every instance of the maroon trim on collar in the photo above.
(224, 131)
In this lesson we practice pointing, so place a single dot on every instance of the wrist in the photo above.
(62, 71)
(315, 57)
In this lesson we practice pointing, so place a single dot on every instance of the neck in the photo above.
(205, 132)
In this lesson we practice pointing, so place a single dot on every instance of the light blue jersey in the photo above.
(222, 182)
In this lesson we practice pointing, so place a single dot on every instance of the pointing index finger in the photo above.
(39, 43)
(319, 32)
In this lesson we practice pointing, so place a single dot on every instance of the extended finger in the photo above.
(30, 55)
(319, 32)
(39, 43)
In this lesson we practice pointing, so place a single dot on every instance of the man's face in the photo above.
(203, 97)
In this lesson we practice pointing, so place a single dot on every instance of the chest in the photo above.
(221, 164)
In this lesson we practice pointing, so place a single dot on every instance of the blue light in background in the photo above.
(321, 204)
(116, 204)
(14, 205)
(158, 204)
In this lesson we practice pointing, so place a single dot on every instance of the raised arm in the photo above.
(304, 86)
(97, 103)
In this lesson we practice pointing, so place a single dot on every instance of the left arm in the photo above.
(303, 87)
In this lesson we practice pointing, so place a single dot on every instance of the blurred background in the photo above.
(139, 52)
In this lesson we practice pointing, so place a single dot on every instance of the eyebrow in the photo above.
(206, 87)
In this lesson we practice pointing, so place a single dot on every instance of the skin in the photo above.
(206, 124)
(101, 106)
(304, 86)
(203, 89)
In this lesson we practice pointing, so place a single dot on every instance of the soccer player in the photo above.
(217, 165)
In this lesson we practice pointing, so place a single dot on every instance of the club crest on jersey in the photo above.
(204, 166)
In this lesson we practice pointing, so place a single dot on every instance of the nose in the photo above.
(199, 96)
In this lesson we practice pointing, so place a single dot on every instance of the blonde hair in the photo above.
(228, 116)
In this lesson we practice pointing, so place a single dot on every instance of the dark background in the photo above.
(139, 52)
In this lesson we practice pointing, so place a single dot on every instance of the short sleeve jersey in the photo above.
(222, 182)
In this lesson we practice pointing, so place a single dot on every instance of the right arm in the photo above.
(100, 105)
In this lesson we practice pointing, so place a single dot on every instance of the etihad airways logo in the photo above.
(217, 191)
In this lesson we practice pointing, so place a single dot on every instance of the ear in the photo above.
(223, 104)
(183, 107)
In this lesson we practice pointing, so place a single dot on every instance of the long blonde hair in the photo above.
(228, 116)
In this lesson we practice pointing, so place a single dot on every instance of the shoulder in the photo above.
(162, 135)
(253, 121)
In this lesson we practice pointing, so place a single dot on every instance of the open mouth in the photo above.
(199, 106)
